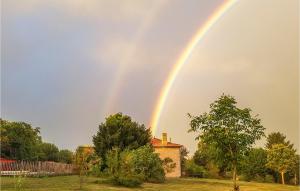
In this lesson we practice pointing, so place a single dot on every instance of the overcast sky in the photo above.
(67, 64)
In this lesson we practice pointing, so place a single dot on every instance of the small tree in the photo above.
(231, 130)
(132, 167)
(148, 163)
(281, 158)
(168, 164)
(82, 159)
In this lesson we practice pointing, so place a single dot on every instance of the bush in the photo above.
(269, 179)
(121, 170)
(131, 167)
(129, 181)
(194, 170)
(253, 166)
(148, 164)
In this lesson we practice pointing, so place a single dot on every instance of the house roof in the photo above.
(158, 143)
(4, 160)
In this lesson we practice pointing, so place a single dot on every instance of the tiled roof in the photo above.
(158, 143)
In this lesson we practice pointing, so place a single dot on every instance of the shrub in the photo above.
(121, 169)
(131, 167)
(269, 178)
(148, 164)
(194, 170)
(253, 166)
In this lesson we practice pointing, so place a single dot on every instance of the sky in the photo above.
(68, 64)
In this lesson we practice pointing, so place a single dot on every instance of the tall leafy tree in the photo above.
(281, 158)
(231, 130)
(120, 131)
(19, 140)
(277, 138)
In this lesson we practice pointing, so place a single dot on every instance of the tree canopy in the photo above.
(281, 158)
(120, 131)
(277, 138)
(19, 140)
(231, 130)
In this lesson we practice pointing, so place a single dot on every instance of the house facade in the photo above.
(168, 149)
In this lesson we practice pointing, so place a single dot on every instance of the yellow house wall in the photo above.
(174, 154)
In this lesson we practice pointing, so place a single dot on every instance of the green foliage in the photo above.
(209, 158)
(48, 152)
(132, 167)
(148, 164)
(120, 131)
(19, 140)
(254, 165)
(22, 142)
(277, 138)
(65, 156)
(281, 158)
(121, 169)
(84, 159)
(231, 130)
(19, 182)
(183, 157)
(194, 170)
(168, 164)
(203, 155)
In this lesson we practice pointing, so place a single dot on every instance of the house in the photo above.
(168, 149)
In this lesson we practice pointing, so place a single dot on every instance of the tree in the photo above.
(183, 157)
(121, 169)
(254, 164)
(202, 156)
(148, 163)
(277, 138)
(231, 130)
(65, 156)
(48, 152)
(19, 140)
(295, 168)
(83, 158)
(281, 158)
(168, 164)
(120, 131)
(194, 170)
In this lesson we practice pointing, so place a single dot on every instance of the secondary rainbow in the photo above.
(183, 59)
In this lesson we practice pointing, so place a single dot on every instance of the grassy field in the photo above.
(62, 183)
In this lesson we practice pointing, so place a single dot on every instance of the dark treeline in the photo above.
(20, 141)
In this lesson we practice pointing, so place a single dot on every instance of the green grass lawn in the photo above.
(62, 183)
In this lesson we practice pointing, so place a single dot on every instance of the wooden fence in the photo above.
(36, 168)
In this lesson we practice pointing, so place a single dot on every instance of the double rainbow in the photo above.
(183, 59)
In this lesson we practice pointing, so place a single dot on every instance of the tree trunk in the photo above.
(295, 178)
(282, 177)
(235, 187)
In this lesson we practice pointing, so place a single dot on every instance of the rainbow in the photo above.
(182, 59)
